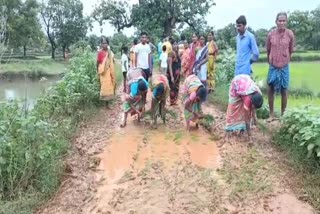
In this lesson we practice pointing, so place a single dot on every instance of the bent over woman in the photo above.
(244, 98)
(194, 94)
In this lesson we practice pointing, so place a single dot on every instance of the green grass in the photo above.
(302, 54)
(45, 66)
(302, 74)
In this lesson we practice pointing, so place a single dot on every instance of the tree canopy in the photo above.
(163, 16)
(64, 22)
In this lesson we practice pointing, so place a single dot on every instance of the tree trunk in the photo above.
(64, 51)
(167, 28)
(24, 51)
(53, 50)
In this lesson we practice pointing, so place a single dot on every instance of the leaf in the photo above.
(310, 147)
(2, 161)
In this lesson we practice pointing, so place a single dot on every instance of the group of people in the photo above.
(195, 63)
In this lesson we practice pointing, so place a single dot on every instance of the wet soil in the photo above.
(168, 170)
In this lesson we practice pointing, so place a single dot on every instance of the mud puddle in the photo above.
(147, 162)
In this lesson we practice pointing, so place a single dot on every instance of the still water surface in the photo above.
(24, 90)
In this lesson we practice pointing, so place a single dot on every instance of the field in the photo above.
(303, 75)
(301, 54)
(34, 67)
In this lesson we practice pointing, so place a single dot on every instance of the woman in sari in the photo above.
(200, 65)
(160, 92)
(244, 97)
(213, 51)
(105, 70)
(194, 47)
(132, 54)
(185, 60)
(194, 93)
(135, 99)
(173, 73)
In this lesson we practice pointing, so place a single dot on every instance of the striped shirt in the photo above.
(280, 46)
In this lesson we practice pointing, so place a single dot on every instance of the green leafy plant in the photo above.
(226, 68)
(302, 126)
(33, 143)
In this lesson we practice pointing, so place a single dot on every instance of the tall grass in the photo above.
(33, 144)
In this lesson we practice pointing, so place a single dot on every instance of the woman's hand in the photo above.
(172, 79)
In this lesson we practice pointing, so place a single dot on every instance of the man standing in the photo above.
(247, 49)
(280, 45)
(143, 56)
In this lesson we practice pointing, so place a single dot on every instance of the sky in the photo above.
(259, 13)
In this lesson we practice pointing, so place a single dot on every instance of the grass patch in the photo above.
(248, 176)
(37, 68)
(302, 74)
(220, 96)
(177, 137)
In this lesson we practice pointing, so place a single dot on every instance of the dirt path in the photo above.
(139, 170)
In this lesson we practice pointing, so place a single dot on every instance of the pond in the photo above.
(25, 91)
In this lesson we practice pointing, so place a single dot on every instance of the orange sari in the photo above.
(107, 77)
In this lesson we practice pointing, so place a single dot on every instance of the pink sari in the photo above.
(242, 86)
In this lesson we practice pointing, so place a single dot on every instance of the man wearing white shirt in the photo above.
(143, 56)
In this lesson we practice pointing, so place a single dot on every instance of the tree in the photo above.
(163, 16)
(93, 40)
(300, 22)
(227, 35)
(26, 27)
(64, 22)
(261, 36)
(119, 40)
(315, 35)
(10, 10)
(3, 30)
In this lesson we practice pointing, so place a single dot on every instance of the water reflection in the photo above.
(25, 91)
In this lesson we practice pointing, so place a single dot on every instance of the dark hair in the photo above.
(183, 37)
(125, 49)
(171, 40)
(212, 33)
(142, 86)
(241, 20)
(135, 41)
(202, 93)
(104, 38)
(143, 34)
(202, 36)
(257, 100)
(159, 89)
(196, 34)
(281, 14)
(164, 48)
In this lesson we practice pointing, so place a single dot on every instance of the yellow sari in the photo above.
(107, 77)
(212, 48)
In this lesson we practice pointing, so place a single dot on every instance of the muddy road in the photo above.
(138, 170)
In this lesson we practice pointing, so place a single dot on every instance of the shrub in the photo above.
(263, 112)
(226, 67)
(32, 144)
(302, 127)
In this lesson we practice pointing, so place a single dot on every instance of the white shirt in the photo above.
(124, 63)
(143, 52)
(163, 60)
